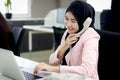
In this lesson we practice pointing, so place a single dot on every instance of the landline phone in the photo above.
(86, 24)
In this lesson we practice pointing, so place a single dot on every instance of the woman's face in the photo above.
(71, 23)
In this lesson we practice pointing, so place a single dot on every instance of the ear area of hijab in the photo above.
(86, 24)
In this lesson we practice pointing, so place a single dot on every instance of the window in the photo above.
(20, 8)
(99, 5)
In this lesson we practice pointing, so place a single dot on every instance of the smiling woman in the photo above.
(17, 10)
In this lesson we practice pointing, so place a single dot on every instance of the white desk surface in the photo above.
(26, 63)
(23, 62)
(39, 28)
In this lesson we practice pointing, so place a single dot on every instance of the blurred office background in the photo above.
(35, 12)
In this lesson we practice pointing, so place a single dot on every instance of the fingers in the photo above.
(35, 72)
(41, 66)
(36, 69)
(72, 38)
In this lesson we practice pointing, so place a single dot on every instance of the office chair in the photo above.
(109, 20)
(105, 19)
(18, 33)
(58, 32)
(109, 55)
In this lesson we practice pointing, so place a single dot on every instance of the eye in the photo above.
(73, 21)
(66, 18)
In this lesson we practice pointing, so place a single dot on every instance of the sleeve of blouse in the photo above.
(53, 60)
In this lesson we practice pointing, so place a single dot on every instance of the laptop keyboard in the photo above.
(30, 76)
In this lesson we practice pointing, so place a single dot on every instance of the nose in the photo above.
(69, 24)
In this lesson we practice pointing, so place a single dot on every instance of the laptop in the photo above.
(10, 69)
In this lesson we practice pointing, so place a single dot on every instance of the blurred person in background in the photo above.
(6, 35)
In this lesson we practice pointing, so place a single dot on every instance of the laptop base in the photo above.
(2, 77)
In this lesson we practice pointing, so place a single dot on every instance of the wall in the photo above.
(65, 3)
(97, 20)
(40, 8)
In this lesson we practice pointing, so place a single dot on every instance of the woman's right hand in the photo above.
(72, 38)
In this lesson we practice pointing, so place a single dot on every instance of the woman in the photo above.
(76, 53)
(6, 36)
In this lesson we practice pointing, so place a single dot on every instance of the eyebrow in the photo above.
(71, 19)
(74, 19)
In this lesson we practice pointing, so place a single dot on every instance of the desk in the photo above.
(39, 28)
(23, 62)
(35, 29)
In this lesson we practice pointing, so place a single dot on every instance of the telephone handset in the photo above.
(86, 24)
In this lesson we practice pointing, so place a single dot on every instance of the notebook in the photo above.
(9, 67)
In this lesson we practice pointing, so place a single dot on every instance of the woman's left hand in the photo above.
(46, 67)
